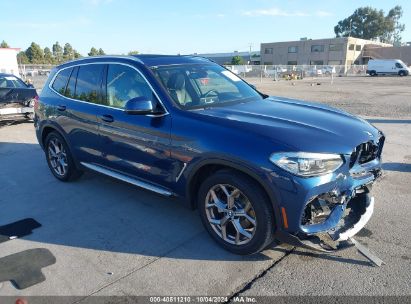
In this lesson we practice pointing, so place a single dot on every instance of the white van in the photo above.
(387, 66)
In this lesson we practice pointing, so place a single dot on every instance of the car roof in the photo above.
(8, 75)
(149, 60)
(158, 60)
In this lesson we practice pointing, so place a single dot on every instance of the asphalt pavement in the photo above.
(110, 238)
(387, 234)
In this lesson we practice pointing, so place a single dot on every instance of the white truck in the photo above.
(8, 61)
(387, 67)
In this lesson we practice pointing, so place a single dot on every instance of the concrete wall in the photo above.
(304, 55)
(356, 57)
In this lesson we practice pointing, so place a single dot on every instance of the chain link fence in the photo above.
(31, 70)
(294, 72)
(37, 74)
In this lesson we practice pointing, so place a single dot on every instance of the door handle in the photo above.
(107, 118)
(61, 107)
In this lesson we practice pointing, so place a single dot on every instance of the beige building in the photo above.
(335, 51)
(378, 52)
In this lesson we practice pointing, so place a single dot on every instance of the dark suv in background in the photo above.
(258, 168)
(16, 98)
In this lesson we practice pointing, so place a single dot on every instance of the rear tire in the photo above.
(373, 73)
(245, 227)
(59, 158)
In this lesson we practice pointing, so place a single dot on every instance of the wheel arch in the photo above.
(45, 132)
(47, 129)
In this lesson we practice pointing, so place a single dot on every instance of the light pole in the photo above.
(249, 53)
(350, 27)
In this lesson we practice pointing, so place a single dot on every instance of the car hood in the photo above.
(298, 125)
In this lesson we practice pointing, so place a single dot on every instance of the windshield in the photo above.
(192, 86)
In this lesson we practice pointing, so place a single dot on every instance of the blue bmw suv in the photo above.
(259, 169)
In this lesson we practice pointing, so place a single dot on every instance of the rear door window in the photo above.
(60, 83)
(89, 79)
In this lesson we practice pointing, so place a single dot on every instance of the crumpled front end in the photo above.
(341, 217)
(336, 208)
(16, 110)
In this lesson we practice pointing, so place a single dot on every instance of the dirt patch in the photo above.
(369, 96)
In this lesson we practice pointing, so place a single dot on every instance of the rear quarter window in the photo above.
(60, 82)
(71, 86)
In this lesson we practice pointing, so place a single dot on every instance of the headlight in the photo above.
(307, 164)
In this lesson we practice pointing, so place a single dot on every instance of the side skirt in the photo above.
(128, 179)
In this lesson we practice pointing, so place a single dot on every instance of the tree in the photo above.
(48, 56)
(93, 52)
(393, 17)
(35, 53)
(4, 45)
(133, 53)
(57, 52)
(101, 52)
(22, 58)
(237, 60)
(77, 55)
(370, 23)
(68, 52)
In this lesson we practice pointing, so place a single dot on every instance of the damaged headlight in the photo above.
(307, 164)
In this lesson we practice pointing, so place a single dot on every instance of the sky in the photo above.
(176, 26)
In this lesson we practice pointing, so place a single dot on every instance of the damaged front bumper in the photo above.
(344, 222)
(336, 207)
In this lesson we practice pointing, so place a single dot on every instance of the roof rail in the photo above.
(104, 56)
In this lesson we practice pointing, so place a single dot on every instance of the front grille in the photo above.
(367, 152)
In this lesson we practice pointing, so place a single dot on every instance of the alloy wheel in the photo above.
(58, 157)
(230, 214)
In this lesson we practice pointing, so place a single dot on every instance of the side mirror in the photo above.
(140, 106)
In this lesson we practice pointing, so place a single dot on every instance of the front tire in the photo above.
(59, 158)
(236, 212)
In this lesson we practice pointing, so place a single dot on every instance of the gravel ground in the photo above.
(370, 96)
